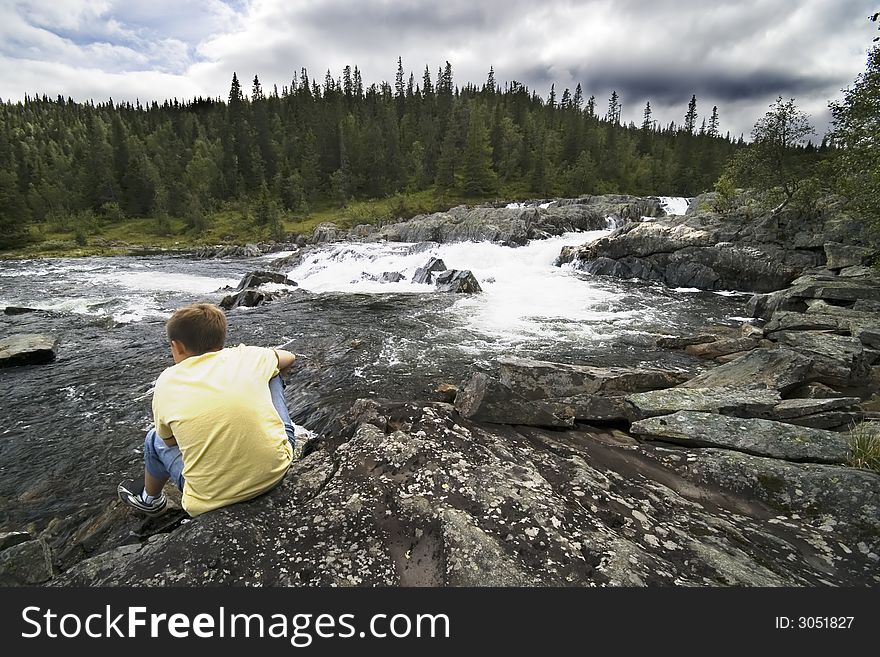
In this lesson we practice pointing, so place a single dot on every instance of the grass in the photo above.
(230, 226)
(865, 446)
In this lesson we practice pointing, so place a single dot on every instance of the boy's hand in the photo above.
(285, 359)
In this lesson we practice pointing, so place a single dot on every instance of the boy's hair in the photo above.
(201, 327)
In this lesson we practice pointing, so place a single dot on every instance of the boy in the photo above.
(223, 433)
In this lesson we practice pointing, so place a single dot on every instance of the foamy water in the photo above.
(524, 295)
(675, 205)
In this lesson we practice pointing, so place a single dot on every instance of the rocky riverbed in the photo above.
(652, 437)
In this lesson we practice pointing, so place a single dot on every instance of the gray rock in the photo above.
(391, 277)
(327, 232)
(722, 347)
(432, 499)
(26, 564)
(814, 391)
(748, 435)
(844, 255)
(258, 278)
(832, 420)
(426, 273)
(8, 539)
(248, 298)
(684, 341)
(592, 408)
(791, 321)
(837, 360)
(739, 402)
(534, 379)
(857, 272)
(776, 369)
(483, 399)
(870, 337)
(457, 282)
(27, 349)
(793, 408)
(18, 310)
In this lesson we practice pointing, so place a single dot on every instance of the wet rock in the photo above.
(845, 255)
(722, 347)
(26, 564)
(18, 310)
(248, 298)
(484, 399)
(749, 435)
(457, 282)
(392, 277)
(534, 379)
(739, 402)
(426, 273)
(27, 349)
(685, 341)
(289, 262)
(258, 278)
(776, 369)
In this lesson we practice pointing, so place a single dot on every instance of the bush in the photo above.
(725, 195)
(865, 446)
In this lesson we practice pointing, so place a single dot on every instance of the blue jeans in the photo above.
(162, 461)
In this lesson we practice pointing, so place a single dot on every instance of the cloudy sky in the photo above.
(738, 55)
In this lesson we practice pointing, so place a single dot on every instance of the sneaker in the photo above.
(130, 495)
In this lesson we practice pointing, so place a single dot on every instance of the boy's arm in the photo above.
(285, 359)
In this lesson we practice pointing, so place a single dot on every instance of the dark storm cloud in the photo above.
(671, 87)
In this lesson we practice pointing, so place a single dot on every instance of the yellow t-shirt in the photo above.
(219, 409)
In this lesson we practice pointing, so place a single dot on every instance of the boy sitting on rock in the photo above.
(222, 430)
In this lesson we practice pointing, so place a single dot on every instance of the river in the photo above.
(71, 430)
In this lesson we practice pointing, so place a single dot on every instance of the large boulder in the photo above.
(426, 273)
(749, 435)
(258, 278)
(27, 349)
(457, 282)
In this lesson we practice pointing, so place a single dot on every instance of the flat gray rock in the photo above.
(790, 408)
(752, 436)
(740, 402)
(534, 379)
(777, 369)
(27, 349)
